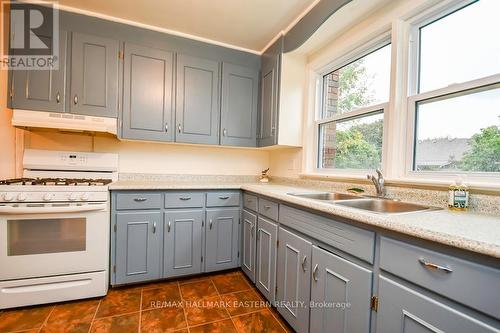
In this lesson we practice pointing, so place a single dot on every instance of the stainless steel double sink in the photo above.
(377, 205)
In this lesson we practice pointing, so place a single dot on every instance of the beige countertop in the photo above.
(473, 232)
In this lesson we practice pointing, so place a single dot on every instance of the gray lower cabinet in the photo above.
(182, 245)
(294, 279)
(336, 283)
(148, 78)
(94, 75)
(138, 246)
(221, 239)
(265, 272)
(239, 105)
(42, 90)
(405, 310)
(249, 225)
(197, 100)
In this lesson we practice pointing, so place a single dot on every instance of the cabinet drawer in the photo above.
(352, 240)
(138, 201)
(268, 209)
(250, 201)
(463, 281)
(223, 199)
(184, 200)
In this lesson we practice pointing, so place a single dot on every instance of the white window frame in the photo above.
(382, 40)
(413, 97)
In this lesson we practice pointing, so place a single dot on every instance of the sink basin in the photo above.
(384, 206)
(327, 196)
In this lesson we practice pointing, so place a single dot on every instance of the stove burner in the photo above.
(56, 181)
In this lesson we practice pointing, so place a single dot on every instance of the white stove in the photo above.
(54, 228)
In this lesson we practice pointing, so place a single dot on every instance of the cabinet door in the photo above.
(337, 281)
(221, 250)
(402, 309)
(138, 246)
(42, 90)
(294, 279)
(182, 242)
(265, 279)
(197, 100)
(94, 76)
(147, 94)
(248, 243)
(239, 105)
(270, 75)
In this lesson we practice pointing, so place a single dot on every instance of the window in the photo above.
(350, 128)
(456, 102)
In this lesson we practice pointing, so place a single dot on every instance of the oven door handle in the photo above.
(9, 210)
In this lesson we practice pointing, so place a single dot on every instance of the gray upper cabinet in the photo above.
(294, 279)
(249, 226)
(270, 81)
(42, 90)
(182, 244)
(336, 280)
(138, 246)
(94, 75)
(147, 94)
(197, 100)
(265, 275)
(239, 105)
(405, 310)
(221, 250)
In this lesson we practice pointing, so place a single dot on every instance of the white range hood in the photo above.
(63, 121)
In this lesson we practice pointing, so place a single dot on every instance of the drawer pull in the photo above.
(304, 263)
(224, 197)
(249, 200)
(315, 273)
(168, 227)
(210, 224)
(267, 207)
(154, 227)
(430, 265)
(140, 199)
(252, 226)
(185, 198)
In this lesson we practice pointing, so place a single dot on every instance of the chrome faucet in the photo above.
(379, 183)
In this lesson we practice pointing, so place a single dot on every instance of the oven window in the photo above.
(39, 236)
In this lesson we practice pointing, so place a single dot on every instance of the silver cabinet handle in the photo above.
(267, 207)
(252, 227)
(75, 99)
(224, 197)
(210, 224)
(224, 132)
(430, 265)
(58, 97)
(168, 226)
(185, 198)
(304, 263)
(179, 128)
(154, 227)
(315, 273)
(140, 199)
(166, 127)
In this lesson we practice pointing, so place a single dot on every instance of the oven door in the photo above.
(53, 239)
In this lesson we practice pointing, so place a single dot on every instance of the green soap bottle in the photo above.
(458, 196)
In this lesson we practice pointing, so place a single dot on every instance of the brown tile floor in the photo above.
(223, 302)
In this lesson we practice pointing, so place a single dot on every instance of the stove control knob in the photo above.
(8, 197)
(73, 197)
(84, 197)
(22, 197)
(48, 196)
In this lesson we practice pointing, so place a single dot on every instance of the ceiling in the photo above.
(241, 23)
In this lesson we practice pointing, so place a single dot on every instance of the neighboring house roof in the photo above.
(440, 152)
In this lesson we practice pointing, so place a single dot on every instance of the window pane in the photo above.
(361, 83)
(355, 143)
(459, 133)
(460, 47)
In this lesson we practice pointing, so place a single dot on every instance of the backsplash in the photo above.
(188, 178)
